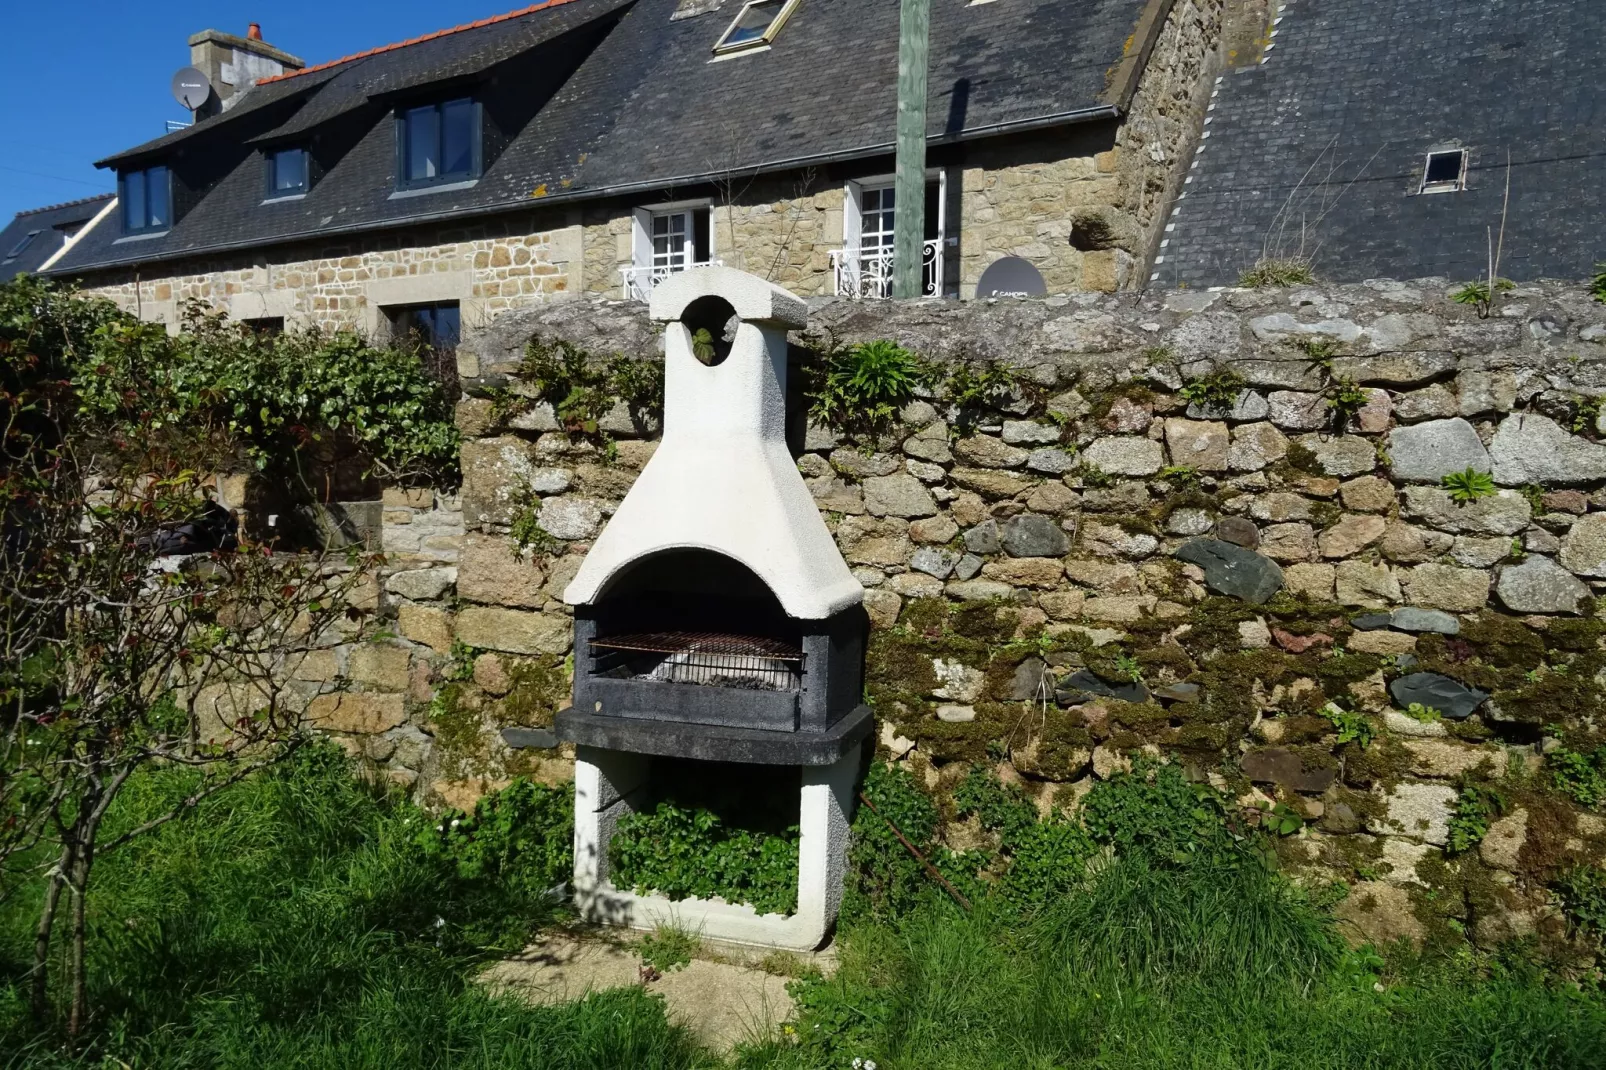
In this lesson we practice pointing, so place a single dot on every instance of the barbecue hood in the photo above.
(722, 479)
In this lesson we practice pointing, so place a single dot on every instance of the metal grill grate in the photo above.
(708, 658)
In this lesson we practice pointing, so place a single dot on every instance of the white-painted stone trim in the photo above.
(722, 478)
(607, 784)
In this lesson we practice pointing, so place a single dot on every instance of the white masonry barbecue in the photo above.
(715, 619)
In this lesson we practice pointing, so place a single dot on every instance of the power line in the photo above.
(103, 187)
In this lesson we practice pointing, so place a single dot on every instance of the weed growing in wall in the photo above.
(1580, 775)
(1480, 294)
(1597, 284)
(1275, 271)
(1468, 486)
(1352, 727)
(860, 389)
(1583, 898)
(1475, 808)
(1217, 391)
(582, 388)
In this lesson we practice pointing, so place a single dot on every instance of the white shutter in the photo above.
(641, 238)
(852, 205)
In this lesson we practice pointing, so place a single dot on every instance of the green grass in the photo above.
(300, 920)
(1203, 967)
(296, 922)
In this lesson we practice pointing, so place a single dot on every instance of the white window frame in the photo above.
(642, 255)
(721, 48)
(853, 206)
(1456, 186)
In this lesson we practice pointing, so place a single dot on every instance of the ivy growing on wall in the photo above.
(218, 391)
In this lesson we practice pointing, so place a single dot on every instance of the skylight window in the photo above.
(19, 248)
(1446, 172)
(756, 25)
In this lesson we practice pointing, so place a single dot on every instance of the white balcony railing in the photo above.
(639, 281)
(868, 272)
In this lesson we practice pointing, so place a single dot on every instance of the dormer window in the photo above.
(287, 172)
(439, 143)
(755, 25)
(147, 199)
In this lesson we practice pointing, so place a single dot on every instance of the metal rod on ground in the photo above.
(931, 869)
(909, 207)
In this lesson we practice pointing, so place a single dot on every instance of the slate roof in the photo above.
(48, 227)
(1326, 140)
(636, 104)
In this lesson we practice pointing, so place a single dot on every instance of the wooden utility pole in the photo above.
(909, 213)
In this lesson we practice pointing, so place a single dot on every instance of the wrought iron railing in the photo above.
(639, 281)
(868, 272)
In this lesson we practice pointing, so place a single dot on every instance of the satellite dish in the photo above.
(1011, 277)
(191, 88)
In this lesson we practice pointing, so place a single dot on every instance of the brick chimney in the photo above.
(234, 64)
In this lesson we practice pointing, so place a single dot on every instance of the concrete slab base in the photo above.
(722, 1003)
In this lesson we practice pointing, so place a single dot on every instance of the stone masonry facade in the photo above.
(1109, 562)
(1081, 203)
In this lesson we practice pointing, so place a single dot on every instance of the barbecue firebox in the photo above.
(715, 618)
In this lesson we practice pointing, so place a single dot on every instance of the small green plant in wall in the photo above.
(1278, 271)
(861, 388)
(1475, 808)
(1468, 486)
(1352, 727)
(1345, 400)
(1480, 294)
(1181, 475)
(1216, 391)
(1597, 285)
(1095, 477)
(1426, 714)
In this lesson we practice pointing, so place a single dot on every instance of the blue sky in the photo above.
(85, 79)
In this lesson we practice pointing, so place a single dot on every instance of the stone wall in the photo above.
(1097, 569)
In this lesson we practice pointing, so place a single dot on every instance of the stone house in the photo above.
(593, 146)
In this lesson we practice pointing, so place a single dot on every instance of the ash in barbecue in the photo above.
(714, 667)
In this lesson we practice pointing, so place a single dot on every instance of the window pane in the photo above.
(134, 200)
(423, 142)
(448, 326)
(289, 171)
(156, 196)
(753, 21)
(457, 137)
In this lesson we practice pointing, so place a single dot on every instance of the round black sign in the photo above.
(1011, 277)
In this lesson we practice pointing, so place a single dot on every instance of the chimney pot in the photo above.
(254, 32)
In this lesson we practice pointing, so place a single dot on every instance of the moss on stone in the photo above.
(925, 616)
(1503, 641)
(456, 720)
(984, 622)
(1383, 763)
(540, 688)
